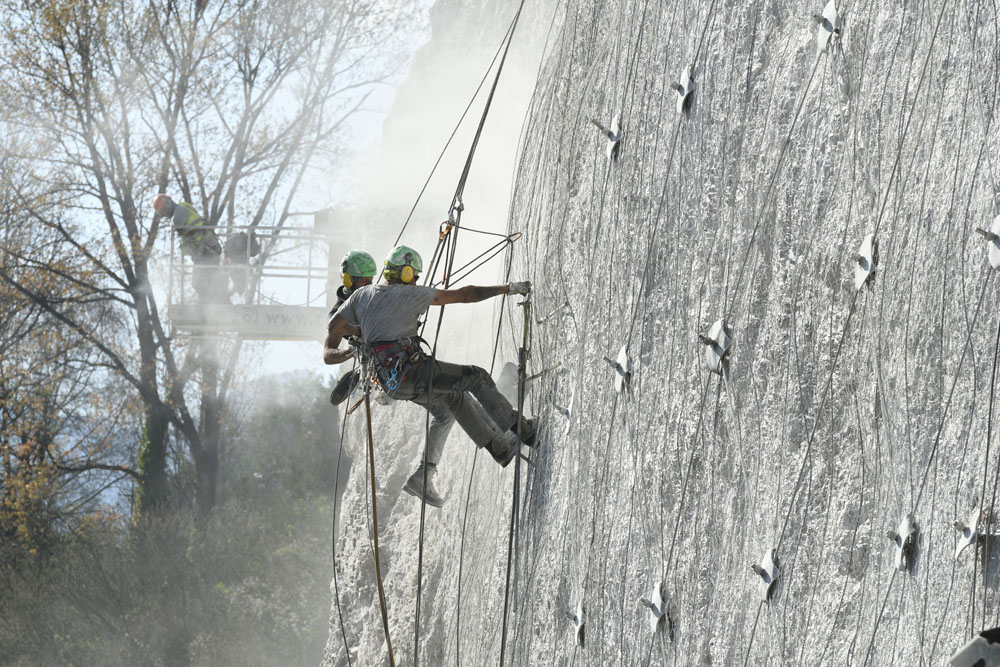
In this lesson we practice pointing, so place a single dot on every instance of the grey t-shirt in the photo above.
(387, 312)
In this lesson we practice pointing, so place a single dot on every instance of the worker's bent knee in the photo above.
(476, 375)
(459, 378)
(455, 401)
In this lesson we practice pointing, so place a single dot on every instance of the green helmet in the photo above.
(399, 260)
(359, 264)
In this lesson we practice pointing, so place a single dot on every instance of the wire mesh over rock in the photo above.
(841, 409)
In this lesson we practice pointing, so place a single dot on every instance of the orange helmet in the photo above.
(159, 201)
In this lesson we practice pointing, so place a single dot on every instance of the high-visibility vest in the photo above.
(191, 243)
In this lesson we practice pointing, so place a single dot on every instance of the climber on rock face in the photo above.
(358, 269)
(385, 318)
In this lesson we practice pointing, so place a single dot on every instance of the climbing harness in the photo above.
(393, 360)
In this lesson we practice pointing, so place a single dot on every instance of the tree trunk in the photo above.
(151, 495)
(207, 459)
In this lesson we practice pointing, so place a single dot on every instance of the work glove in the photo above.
(523, 287)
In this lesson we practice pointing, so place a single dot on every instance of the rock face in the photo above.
(840, 415)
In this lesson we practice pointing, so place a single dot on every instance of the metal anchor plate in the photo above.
(905, 538)
(717, 343)
(829, 26)
(866, 262)
(685, 90)
(658, 608)
(768, 571)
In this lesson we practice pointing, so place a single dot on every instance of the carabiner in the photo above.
(444, 230)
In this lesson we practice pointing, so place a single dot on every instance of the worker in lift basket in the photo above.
(385, 318)
(199, 242)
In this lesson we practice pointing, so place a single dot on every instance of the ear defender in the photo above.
(406, 274)
(347, 280)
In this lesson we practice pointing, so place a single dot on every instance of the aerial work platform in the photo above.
(280, 289)
(251, 321)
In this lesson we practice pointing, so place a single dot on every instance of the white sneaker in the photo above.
(415, 487)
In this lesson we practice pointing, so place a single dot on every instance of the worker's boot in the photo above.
(503, 448)
(416, 486)
(529, 429)
(345, 385)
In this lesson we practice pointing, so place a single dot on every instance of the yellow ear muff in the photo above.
(348, 280)
(406, 274)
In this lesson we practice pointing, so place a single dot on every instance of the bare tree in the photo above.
(45, 478)
(227, 104)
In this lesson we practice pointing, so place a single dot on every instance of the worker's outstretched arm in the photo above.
(476, 293)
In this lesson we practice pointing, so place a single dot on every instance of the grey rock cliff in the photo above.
(840, 412)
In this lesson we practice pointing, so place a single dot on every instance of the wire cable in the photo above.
(452, 136)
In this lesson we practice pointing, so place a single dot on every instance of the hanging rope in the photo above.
(456, 202)
(333, 531)
(454, 132)
(378, 561)
(468, 492)
(515, 503)
(450, 239)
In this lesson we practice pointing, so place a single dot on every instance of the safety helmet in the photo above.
(403, 263)
(160, 200)
(357, 264)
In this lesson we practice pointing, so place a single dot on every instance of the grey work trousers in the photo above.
(444, 389)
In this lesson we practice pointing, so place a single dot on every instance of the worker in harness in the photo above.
(385, 319)
(199, 242)
(358, 269)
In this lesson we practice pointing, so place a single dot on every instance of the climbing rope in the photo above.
(456, 202)
(333, 532)
(409, 216)
(468, 492)
(515, 503)
(450, 239)
(378, 561)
